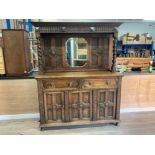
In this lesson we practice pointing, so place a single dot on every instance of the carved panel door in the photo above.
(52, 52)
(106, 104)
(54, 106)
(101, 51)
(80, 105)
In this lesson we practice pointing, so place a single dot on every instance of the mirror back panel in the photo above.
(93, 51)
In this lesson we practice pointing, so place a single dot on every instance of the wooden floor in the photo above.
(131, 124)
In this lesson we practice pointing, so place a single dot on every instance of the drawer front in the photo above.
(80, 83)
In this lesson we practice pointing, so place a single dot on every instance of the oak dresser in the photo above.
(77, 83)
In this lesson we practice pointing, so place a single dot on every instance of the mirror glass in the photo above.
(76, 52)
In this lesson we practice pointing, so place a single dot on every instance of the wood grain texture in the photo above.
(77, 96)
(52, 52)
(18, 96)
(81, 74)
(138, 91)
(74, 98)
(134, 62)
(16, 52)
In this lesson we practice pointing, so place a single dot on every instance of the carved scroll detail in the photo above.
(106, 104)
(100, 51)
(49, 85)
(110, 83)
(80, 84)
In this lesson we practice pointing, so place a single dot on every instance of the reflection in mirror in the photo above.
(76, 52)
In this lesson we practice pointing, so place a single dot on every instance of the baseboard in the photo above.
(19, 116)
(146, 109)
(36, 115)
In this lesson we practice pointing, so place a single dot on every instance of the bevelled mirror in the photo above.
(76, 52)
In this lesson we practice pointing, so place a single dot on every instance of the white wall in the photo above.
(138, 28)
(2, 23)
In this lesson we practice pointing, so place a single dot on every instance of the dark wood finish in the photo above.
(79, 96)
(80, 105)
(74, 96)
(53, 55)
(54, 106)
(106, 104)
(16, 52)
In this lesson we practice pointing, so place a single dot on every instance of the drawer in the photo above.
(103, 83)
(80, 83)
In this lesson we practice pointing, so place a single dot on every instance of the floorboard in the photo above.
(131, 124)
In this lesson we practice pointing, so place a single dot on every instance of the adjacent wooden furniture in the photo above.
(16, 52)
(2, 66)
(142, 63)
(77, 95)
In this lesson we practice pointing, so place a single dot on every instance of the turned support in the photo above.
(115, 36)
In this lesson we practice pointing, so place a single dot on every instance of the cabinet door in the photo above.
(105, 104)
(54, 106)
(80, 105)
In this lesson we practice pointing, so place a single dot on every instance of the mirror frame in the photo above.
(86, 62)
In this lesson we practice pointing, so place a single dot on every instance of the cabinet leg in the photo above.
(116, 124)
(42, 129)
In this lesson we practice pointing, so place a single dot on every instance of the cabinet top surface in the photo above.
(93, 74)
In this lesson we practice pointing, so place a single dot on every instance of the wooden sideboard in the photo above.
(16, 52)
(79, 98)
(71, 94)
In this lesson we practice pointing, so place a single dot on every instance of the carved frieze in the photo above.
(49, 85)
(79, 28)
(80, 84)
